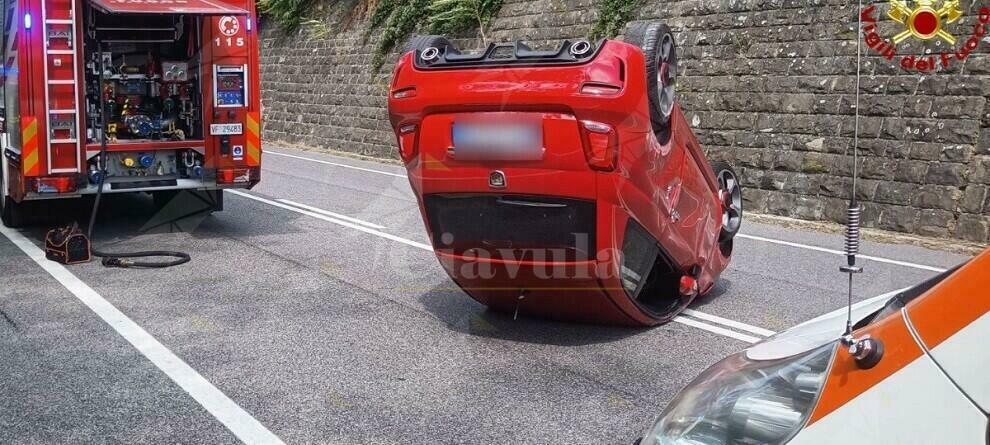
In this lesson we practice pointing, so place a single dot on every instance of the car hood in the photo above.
(815, 332)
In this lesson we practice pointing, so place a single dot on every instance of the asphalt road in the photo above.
(296, 324)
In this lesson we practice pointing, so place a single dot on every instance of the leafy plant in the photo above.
(613, 16)
(399, 18)
(289, 14)
(452, 16)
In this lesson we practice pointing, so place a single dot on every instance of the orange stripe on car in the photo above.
(954, 303)
(29, 146)
(253, 136)
(846, 381)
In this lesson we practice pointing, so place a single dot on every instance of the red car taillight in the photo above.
(54, 184)
(601, 145)
(407, 142)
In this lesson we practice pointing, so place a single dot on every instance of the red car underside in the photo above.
(565, 236)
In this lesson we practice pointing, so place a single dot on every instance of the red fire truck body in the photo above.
(177, 82)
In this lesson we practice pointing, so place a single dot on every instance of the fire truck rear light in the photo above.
(55, 184)
(233, 176)
(601, 145)
(404, 93)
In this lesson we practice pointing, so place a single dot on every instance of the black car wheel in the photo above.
(730, 192)
(657, 42)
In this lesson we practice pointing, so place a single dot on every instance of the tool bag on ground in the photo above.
(67, 245)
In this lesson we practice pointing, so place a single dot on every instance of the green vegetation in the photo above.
(289, 14)
(399, 18)
(453, 16)
(613, 16)
(392, 20)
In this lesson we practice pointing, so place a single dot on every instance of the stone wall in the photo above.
(768, 85)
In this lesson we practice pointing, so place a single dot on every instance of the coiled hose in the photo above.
(118, 259)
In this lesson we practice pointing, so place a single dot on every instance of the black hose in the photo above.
(117, 259)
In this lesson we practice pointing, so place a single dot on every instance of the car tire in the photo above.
(730, 192)
(657, 42)
(418, 43)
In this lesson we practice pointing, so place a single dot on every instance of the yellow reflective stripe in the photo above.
(30, 130)
(252, 125)
(29, 146)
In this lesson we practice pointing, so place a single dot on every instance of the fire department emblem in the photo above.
(229, 25)
(925, 21)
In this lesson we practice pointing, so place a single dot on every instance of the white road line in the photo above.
(837, 252)
(717, 330)
(740, 235)
(427, 247)
(235, 418)
(332, 214)
(340, 222)
(730, 323)
(336, 164)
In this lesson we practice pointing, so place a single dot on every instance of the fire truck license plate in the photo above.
(225, 129)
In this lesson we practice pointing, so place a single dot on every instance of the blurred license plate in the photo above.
(223, 129)
(507, 141)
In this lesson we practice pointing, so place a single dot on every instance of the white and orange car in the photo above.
(923, 379)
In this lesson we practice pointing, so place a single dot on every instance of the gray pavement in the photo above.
(327, 334)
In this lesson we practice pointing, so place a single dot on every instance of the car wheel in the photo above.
(730, 193)
(420, 43)
(657, 42)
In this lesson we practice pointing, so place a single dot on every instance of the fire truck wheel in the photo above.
(419, 43)
(657, 42)
(11, 213)
(161, 199)
(215, 197)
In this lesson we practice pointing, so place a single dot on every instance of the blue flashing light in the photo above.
(249, 24)
(27, 20)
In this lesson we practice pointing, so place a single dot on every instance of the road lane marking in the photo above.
(332, 214)
(730, 323)
(717, 329)
(336, 164)
(235, 418)
(690, 322)
(740, 235)
(340, 222)
(838, 252)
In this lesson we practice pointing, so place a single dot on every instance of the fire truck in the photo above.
(153, 96)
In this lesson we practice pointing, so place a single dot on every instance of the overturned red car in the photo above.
(564, 183)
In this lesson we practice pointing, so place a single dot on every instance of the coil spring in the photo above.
(852, 231)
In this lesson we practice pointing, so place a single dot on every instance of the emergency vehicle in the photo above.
(171, 87)
(923, 380)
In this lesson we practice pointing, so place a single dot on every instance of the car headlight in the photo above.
(740, 401)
